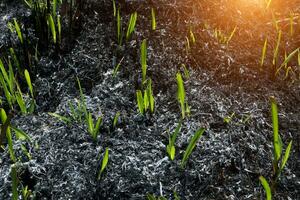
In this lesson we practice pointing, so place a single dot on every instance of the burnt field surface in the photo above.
(239, 61)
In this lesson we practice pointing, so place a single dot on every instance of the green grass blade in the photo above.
(231, 35)
(171, 151)
(90, 124)
(276, 139)
(52, 27)
(288, 59)
(4, 72)
(21, 102)
(131, 25)
(286, 155)
(59, 28)
(264, 50)
(61, 118)
(104, 162)
(175, 134)
(18, 30)
(54, 7)
(28, 80)
(146, 101)
(191, 146)
(97, 126)
(116, 69)
(114, 8)
(192, 37)
(151, 97)
(140, 101)
(153, 21)
(181, 93)
(20, 134)
(116, 119)
(267, 188)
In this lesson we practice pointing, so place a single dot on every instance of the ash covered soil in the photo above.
(224, 79)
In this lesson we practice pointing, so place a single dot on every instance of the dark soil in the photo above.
(224, 79)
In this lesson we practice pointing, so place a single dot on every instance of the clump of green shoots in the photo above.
(146, 100)
(131, 25)
(171, 150)
(12, 91)
(190, 39)
(181, 96)
(46, 19)
(7, 130)
(222, 37)
(191, 146)
(279, 159)
(93, 129)
(76, 115)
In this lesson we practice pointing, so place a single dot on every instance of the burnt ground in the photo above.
(224, 79)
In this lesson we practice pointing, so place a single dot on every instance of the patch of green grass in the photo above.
(11, 89)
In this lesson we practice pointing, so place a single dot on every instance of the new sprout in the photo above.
(131, 25)
(264, 50)
(153, 19)
(191, 146)
(279, 162)
(172, 138)
(104, 163)
(144, 59)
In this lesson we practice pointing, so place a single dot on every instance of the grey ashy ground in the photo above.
(225, 164)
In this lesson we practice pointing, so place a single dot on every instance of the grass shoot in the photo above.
(104, 163)
(191, 146)
(279, 162)
(144, 60)
(153, 19)
(171, 150)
